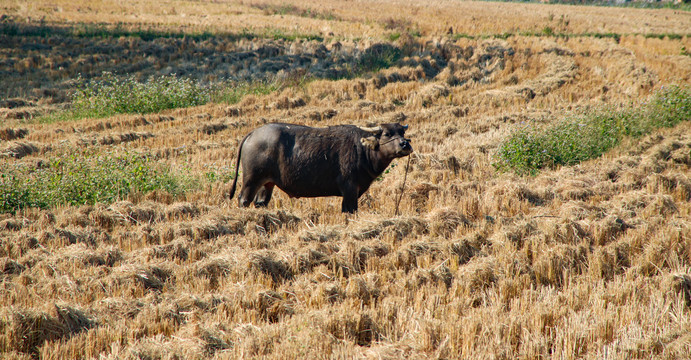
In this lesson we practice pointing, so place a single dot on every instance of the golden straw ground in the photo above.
(585, 261)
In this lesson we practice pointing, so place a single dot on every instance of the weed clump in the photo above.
(84, 178)
(590, 135)
(377, 57)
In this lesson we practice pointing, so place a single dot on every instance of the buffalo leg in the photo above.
(249, 190)
(350, 196)
(349, 204)
(264, 195)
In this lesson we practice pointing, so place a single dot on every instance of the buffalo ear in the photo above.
(370, 142)
(405, 127)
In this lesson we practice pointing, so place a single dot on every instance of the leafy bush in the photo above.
(85, 178)
(111, 95)
(590, 135)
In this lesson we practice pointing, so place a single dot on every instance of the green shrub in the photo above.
(111, 95)
(15, 193)
(587, 136)
(85, 178)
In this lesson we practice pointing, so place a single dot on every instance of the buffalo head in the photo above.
(388, 139)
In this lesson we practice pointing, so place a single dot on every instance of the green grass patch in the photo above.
(457, 36)
(393, 36)
(377, 57)
(670, 36)
(112, 95)
(234, 92)
(279, 34)
(548, 31)
(609, 35)
(588, 136)
(85, 178)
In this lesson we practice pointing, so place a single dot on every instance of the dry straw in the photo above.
(584, 261)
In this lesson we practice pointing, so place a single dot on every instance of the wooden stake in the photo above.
(405, 177)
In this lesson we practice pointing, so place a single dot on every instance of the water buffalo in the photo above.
(304, 161)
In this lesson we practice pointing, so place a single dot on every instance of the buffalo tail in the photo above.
(237, 167)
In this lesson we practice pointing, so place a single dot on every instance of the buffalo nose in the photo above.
(405, 143)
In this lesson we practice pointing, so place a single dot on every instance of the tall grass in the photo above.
(587, 136)
(85, 178)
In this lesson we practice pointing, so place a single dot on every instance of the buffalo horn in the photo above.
(373, 130)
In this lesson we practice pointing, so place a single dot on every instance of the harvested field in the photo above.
(584, 261)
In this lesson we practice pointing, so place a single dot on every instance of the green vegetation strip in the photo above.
(111, 95)
(676, 5)
(588, 136)
(14, 28)
(85, 178)
(548, 31)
